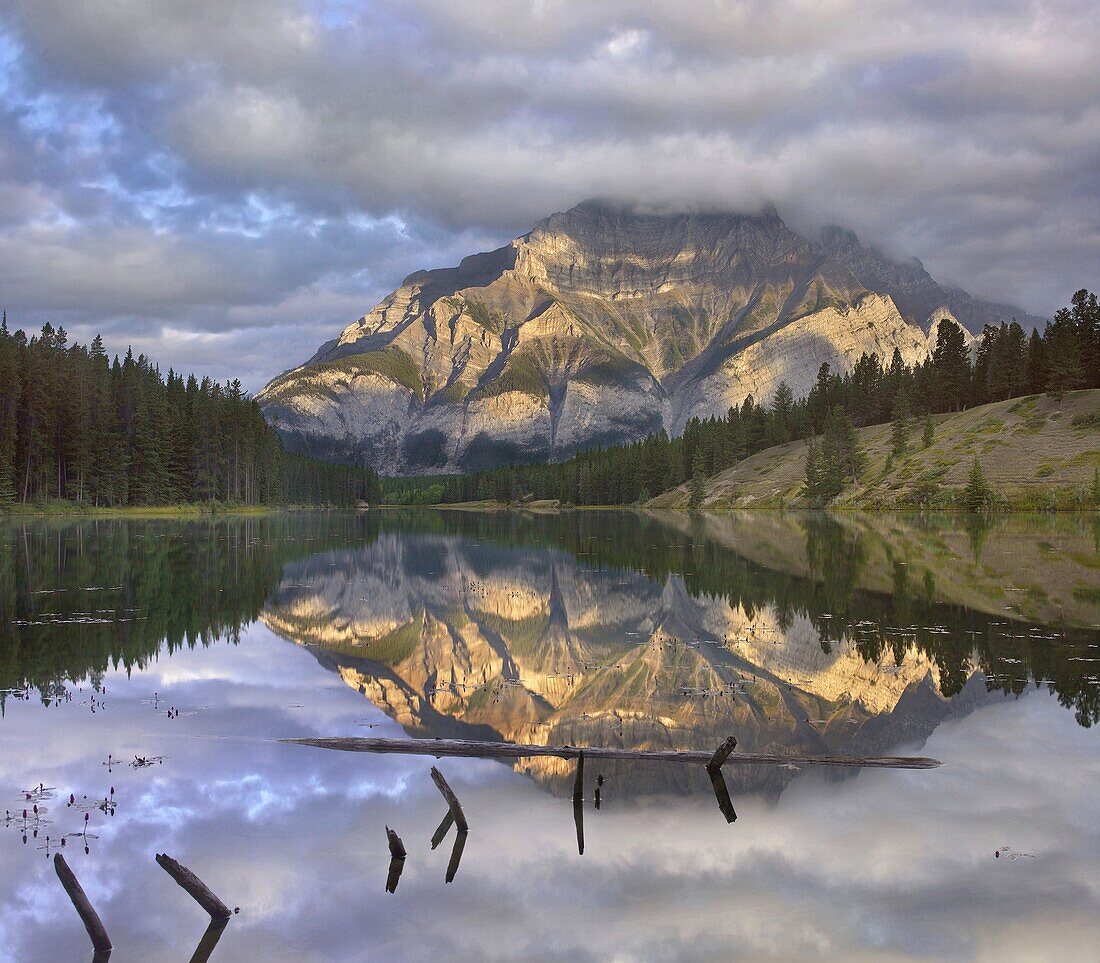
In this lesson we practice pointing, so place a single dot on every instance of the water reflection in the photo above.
(886, 863)
(862, 634)
(800, 633)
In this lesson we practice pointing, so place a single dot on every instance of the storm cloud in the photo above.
(226, 183)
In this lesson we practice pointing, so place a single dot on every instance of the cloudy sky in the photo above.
(225, 183)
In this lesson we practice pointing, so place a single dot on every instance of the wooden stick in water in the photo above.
(722, 794)
(578, 780)
(441, 830)
(397, 848)
(209, 941)
(393, 877)
(721, 754)
(88, 916)
(456, 855)
(452, 800)
(509, 750)
(196, 888)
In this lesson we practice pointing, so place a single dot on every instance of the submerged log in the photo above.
(88, 916)
(510, 750)
(196, 888)
(452, 800)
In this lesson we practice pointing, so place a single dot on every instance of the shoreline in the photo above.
(69, 510)
(542, 508)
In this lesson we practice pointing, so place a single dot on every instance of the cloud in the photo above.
(257, 171)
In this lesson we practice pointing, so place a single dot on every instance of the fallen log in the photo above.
(509, 750)
(452, 800)
(88, 916)
(195, 887)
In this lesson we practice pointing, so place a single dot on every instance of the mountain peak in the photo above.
(604, 323)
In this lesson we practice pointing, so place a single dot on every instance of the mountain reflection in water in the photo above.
(808, 633)
(668, 632)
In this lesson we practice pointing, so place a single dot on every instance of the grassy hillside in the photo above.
(1036, 453)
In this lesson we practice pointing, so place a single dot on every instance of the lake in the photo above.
(148, 669)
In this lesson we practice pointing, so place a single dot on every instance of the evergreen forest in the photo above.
(79, 427)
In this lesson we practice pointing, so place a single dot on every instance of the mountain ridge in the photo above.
(601, 325)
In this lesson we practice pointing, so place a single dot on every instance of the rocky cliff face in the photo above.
(601, 326)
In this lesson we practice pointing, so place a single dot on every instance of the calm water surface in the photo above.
(196, 645)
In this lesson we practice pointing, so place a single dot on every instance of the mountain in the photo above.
(602, 325)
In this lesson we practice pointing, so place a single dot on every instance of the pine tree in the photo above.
(698, 486)
(1085, 312)
(1063, 356)
(813, 472)
(951, 364)
(843, 457)
(977, 494)
(657, 463)
(1036, 364)
(929, 433)
(781, 411)
(899, 432)
(10, 391)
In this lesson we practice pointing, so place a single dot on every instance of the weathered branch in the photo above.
(195, 887)
(508, 750)
(721, 754)
(88, 916)
(452, 800)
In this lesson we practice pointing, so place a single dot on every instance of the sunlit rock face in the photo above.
(457, 638)
(600, 326)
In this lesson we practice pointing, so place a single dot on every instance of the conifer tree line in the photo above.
(78, 426)
(1008, 363)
